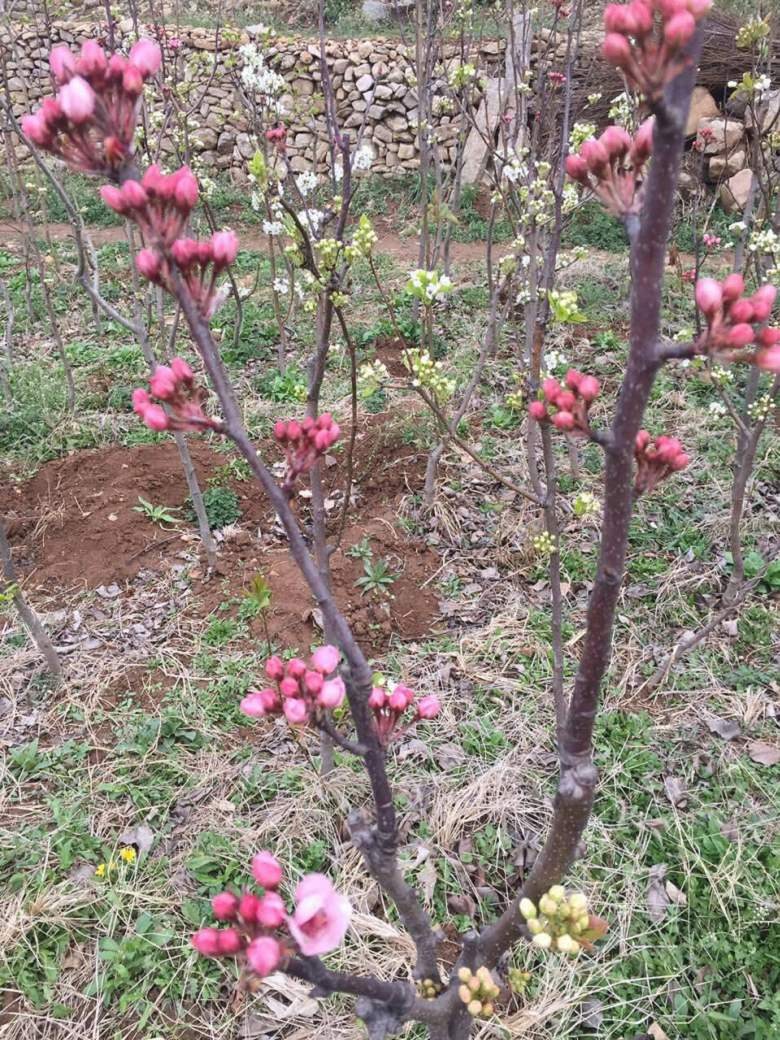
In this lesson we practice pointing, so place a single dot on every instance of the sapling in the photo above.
(91, 126)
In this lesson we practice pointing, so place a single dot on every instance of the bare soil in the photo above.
(74, 525)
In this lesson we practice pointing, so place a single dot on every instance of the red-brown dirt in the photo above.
(74, 525)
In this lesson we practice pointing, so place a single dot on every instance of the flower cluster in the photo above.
(477, 990)
(562, 923)
(648, 49)
(428, 374)
(656, 459)
(612, 166)
(732, 319)
(428, 286)
(304, 442)
(372, 377)
(585, 504)
(395, 709)
(91, 122)
(571, 403)
(159, 203)
(175, 385)
(260, 80)
(301, 691)
(262, 934)
(544, 545)
(199, 262)
(363, 240)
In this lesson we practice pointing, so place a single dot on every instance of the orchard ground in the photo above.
(144, 749)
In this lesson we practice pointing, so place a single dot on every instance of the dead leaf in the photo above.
(449, 755)
(141, 836)
(460, 903)
(730, 830)
(730, 627)
(427, 879)
(676, 895)
(725, 728)
(657, 899)
(763, 753)
(592, 1014)
(656, 1032)
(676, 791)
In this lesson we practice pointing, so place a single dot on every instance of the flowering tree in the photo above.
(91, 124)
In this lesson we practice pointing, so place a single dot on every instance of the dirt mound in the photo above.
(75, 524)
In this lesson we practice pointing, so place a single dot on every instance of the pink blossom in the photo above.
(289, 687)
(92, 58)
(181, 370)
(537, 410)
(206, 942)
(163, 383)
(741, 311)
(224, 245)
(186, 190)
(271, 910)
(377, 698)
(709, 295)
(132, 82)
(332, 693)
(321, 916)
(77, 100)
(146, 56)
(274, 668)
(295, 711)
(225, 906)
(325, 659)
(768, 358)
(589, 388)
(253, 705)
(679, 29)
(733, 287)
(229, 941)
(62, 62)
(134, 195)
(264, 955)
(296, 667)
(266, 869)
(563, 420)
(741, 335)
(148, 263)
(616, 49)
(313, 682)
(428, 707)
(35, 129)
(247, 907)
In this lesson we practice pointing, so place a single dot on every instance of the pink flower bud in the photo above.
(146, 56)
(313, 682)
(181, 370)
(77, 100)
(62, 63)
(733, 287)
(563, 420)
(148, 263)
(264, 955)
(595, 155)
(274, 668)
(616, 49)
(92, 58)
(155, 418)
(565, 400)
(253, 705)
(325, 659)
(280, 430)
(615, 18)
(296, 668)
(225, 247)
(293, 430)
(225, 906)
(271, 910)
(247, 907)
(699, 8)
(113, 198)
(322, 440)
(324, 420)
(332, 693)
(642, 440)
(132, 82)
(551, 388)
(616, 140)
(428, 707)
(741, 311)
(679, 29)
(377, 698)
(643, 141)
(397, 700)
(741, 335)
(573, 379)
(295, 711)
(35, 129)
(537, 410)
(206, 942)
(768, 358)
(577, 168)
(763, 301)
(768, 337)
(680, 461)
(266, 869)
(228, 942)
(141, 401)
(589, 388)
(709, 296)
(134, 195)
(289, 687)
(185, 252)
(163, 383)
(116, 68)
(642, 15)
(185, 193)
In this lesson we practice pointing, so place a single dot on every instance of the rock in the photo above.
(365, 83)
(382, 92)
(726, 165)
(406, 151)
(734, 193)
(720, 135)
(703, 106)
(244, 145)
(205, 138)
(396, 123)
(769, 113)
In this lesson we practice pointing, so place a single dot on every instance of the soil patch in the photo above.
(75, 524)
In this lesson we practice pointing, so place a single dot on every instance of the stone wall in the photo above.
(375, 95)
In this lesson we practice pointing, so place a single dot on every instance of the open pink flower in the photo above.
(321, 917)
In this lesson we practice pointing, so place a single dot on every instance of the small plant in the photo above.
(360, 550)
(221, 505)
(288, 387)
(377, 577)
(160, 515)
